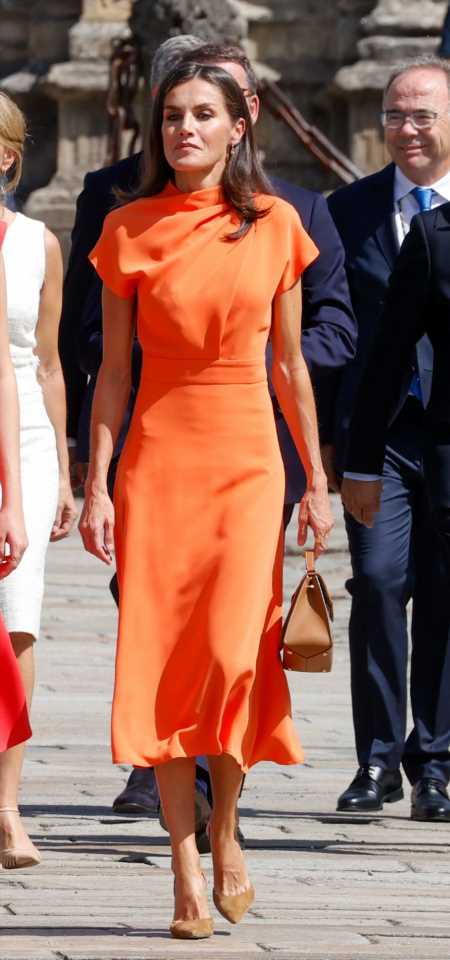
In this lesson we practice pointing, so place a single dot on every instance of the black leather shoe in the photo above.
(429, 800)
(141, 795)
(371, 787)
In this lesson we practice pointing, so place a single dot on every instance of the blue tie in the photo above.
(423, 195)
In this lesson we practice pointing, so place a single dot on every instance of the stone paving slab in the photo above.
(329, 886)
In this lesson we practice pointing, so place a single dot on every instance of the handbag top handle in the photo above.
(310, 562)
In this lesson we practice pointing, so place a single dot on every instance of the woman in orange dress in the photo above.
(213, 262)
(16, 848)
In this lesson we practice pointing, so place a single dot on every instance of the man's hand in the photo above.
(362, 499)
(327, 452)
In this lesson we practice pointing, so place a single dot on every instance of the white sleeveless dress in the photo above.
(24, 257)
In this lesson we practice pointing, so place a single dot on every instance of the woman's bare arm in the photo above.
(111, 397)
(294, 391)
(51, 378)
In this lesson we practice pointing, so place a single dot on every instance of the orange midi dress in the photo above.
(200, 484)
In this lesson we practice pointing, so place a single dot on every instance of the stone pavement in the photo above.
(329, 886)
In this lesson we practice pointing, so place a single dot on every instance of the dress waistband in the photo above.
(171, 370)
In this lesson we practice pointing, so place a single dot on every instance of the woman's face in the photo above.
(197, 129)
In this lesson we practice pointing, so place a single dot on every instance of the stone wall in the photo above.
(55, 63)
(33, 35)
(304, 42)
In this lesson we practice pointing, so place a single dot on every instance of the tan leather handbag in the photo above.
(307, 633)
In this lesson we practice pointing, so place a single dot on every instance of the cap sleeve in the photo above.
(111, 256)
(299, 250)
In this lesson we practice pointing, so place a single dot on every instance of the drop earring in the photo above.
(3, 186)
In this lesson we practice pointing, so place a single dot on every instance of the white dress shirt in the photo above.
(405, 208)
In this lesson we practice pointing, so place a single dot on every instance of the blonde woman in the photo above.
(33, 271)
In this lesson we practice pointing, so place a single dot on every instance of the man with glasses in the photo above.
(395, 554)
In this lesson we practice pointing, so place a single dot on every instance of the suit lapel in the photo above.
(385, 232)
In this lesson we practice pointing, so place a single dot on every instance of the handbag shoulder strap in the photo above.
(3, 228)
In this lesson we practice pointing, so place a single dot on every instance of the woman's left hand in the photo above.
(66, 512)
(315, 512)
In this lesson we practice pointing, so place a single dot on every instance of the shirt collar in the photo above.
(403, 185)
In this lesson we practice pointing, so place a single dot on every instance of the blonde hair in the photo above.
(13, 131)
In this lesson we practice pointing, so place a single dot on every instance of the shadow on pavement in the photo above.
(76, 931)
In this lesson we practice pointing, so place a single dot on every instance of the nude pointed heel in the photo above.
(234, 907)
(192, 929)
(16, 858)
(199, 929)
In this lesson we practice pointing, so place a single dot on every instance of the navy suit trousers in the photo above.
(405, 556)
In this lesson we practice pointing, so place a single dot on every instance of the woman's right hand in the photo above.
(13, 534)
(315, 512)
(96, 524)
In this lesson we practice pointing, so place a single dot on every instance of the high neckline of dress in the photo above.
(206, 197)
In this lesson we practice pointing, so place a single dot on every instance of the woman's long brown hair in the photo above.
(243, 176)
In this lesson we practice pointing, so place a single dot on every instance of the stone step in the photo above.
(413, 17)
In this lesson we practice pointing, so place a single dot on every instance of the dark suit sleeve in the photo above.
(403, 323)
(330, 329)
(90, 212)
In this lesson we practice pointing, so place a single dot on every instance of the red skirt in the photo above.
(14, 723)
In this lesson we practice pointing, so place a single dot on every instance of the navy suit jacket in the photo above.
(418, 303)
(80, 331)
(329, 327)
(364, 216)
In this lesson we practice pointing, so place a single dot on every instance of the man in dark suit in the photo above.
(418, 303)
(395, 559)
(329, 336)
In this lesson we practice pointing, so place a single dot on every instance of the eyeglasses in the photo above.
(420, 119)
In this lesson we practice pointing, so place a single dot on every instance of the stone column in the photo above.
(152, 21)
(78, 88)
(13, 35)
(50, 22)
(395, 31)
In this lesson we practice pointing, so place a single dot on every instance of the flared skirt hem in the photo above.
(134, 760)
